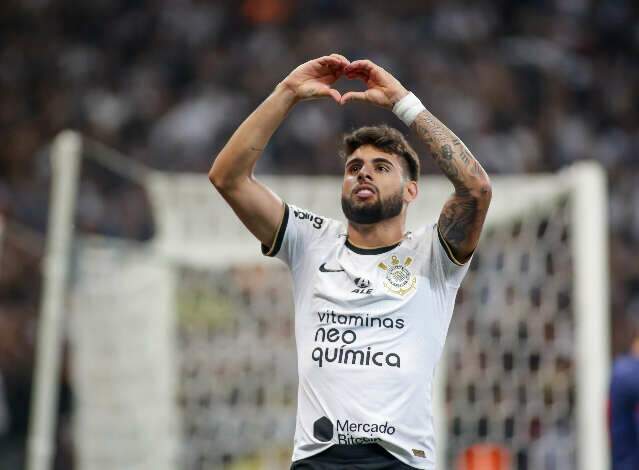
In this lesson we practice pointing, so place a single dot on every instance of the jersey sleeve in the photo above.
(442, 265)
(454, 270)
(298, 230)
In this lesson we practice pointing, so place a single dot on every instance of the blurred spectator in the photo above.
(624, 403)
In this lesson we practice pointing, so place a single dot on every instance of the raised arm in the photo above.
(259, 208)
(463, 214)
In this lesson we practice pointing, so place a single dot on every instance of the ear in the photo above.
(410, 191)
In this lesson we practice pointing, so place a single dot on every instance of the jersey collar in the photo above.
(370, 251)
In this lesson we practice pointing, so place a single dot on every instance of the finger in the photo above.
(341, 57)
(332, 60)
(363, 64)
(329, 93)
(333, 64)
(357, 75)
(333, 93)
(361, 69)
(353, 96)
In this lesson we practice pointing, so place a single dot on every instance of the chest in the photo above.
(346, 281)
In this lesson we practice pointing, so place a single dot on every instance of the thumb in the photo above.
(326, 91)
(333, 93)
(353, 96)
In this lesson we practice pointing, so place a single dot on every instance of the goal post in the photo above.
(65, 162)
(185, 343)
(591, 293)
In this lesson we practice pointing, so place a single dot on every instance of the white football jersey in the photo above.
(370, 326)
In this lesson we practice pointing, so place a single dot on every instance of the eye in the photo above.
(383, 168)
(353, 168)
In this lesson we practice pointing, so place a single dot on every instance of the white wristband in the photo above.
(408, 108)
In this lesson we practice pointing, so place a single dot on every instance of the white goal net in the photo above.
(183, 354)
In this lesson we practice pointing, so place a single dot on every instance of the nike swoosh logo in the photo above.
(323, 269)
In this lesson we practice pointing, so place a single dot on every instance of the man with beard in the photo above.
(372, 301)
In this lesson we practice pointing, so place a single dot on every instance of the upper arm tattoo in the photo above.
(460, 223)
(457, 218)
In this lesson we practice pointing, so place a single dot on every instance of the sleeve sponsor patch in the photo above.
(316, 220)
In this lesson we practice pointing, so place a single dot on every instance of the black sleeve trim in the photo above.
(279, 236)
(447, 249)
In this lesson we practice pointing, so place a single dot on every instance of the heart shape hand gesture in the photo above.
(313, 80)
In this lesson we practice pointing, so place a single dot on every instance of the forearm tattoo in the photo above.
(450, 154)
(463, 214)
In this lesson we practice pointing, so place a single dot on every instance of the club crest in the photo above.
(399, 279)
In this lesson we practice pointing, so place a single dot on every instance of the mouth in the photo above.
(364, 191)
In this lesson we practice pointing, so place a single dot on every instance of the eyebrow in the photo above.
(375, 160)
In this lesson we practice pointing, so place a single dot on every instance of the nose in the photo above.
(364, 174)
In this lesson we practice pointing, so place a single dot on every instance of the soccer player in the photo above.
(624, 406)
(372, 301)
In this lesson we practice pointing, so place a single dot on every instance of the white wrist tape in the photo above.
(408, 108)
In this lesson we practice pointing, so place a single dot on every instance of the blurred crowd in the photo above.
(530, 86)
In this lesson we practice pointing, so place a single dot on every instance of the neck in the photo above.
(634, 349)
(384, 233)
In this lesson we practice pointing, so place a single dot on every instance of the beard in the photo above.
(373, 212)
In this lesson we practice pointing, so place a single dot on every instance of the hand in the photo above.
(313, 79)
(382, 88)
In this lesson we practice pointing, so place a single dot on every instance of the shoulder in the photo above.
(625, 372)
(625, 364)
(315, 225)
(304, 215)
(299, 230)
(438, 260)
(424, 233)
(431, 236)
(421, 239)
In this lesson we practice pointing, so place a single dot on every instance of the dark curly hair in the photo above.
(385, 138)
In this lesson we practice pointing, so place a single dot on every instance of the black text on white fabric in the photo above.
(304, 215)
(332, 341)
